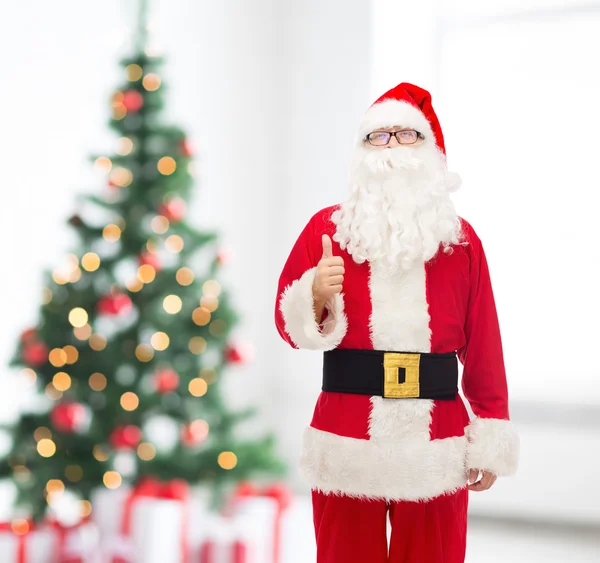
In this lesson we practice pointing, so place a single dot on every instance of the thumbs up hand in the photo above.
(329, 277)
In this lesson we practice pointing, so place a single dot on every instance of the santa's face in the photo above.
(399, 211)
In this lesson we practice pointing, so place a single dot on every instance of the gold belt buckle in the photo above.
(392, 389)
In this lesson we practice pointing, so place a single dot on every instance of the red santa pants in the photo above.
(351, 530)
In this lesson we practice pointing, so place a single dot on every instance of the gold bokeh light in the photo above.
(98, 342)
(211, 288)
(78, 317)
(160, 341)
(146, 451)
(57, 357)
(129, 401)
(112, 480)
(167, 165)
(111, 233)
(61, 381)
(121, 177)
(46, 447)
(72, 354)
(184, 276)
(201, 316)
(82, 332)
(151, 82)
(90, 261)
(172, 304)
(103, 164)
(146, 273)
(198, 387)
(42, 433)
(134, 72)
(159, 224)
(197, 345)
(144, 352)
(97, 381)
(227, 460)
(124, 146)
(74, 473)
(100, 453)
(174, 244)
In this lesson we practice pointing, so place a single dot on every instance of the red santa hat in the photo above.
(407, 105)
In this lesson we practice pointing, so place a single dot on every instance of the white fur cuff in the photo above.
(493, 446)
(298, 313)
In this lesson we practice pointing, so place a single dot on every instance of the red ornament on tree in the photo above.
(174, 209)
(166, 380)
(35, 354)
(68, 417)
(125, 437)
(185, 148)
(114, 304)
(29, 335)
(238, 353)
(133, 101)
(150, 259)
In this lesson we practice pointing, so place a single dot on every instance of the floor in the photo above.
(488, 541)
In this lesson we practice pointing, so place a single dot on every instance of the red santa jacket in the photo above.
(401, 449)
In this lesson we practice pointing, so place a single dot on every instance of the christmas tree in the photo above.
(134, 334)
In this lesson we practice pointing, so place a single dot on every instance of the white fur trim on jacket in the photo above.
(493, 446)
(394, 112)
(298, 313)
(409, 469)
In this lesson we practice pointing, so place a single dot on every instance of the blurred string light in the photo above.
(55, 486)
(160, 341)
(71, 353)
(121, 177)
(112, 480)
(74, 473)
(47, 295)
(209, 375)
(78, 317)
(211, 288)
(46, 447)
(61, 381)
(160, 224)
(134, 285)
(201, 316)
(146, 273)
(98, 342)
(209, 303)
(129, 401)
(174, 244)
(90, 261)
(111, 233)
(83, 332)
(151, 82)
(85, 508)
(29, 376)
(19, 526)
(97, 381)
(172, 304)
(100, 453)
(119, 110)
(199, 430)
(166, 165)
(124, 146)
(184, 276)
(52, 392)
(57, 357)
(152, 246)
(42, 433)
(227, 460)
(144, 352)
(134, 72)
(103, 164)
(198, 387)
(197, 345)
(146, 451)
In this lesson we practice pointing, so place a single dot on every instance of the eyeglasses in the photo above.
(404, 137)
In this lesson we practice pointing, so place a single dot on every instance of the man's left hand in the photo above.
(486, 481)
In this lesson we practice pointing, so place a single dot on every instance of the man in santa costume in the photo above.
(393, 286)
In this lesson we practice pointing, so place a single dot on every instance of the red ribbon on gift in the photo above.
(62, 532)
(149, 487)
(277, 492)
(21, 539)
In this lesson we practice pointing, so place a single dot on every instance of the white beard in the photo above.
(399, 211)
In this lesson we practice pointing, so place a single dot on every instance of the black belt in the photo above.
(394, 375)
